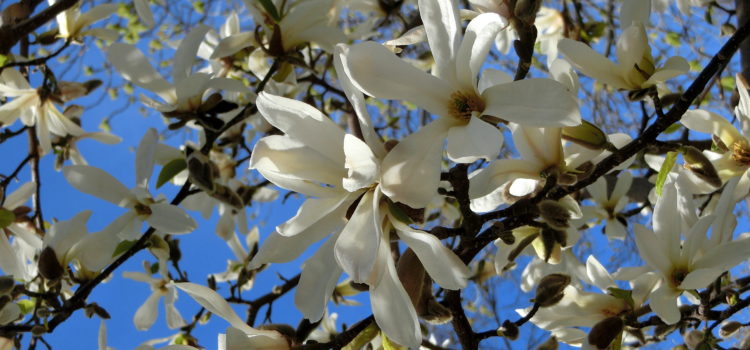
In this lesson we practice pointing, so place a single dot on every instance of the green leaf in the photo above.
(3, 60)
(26, 305)
(666, 167)
(174, 167)
(728, 83)
(270, 9)
(6, 217)
(123, 247)
(673, 39)
(626, 295)
(199, 7)
(672, 128)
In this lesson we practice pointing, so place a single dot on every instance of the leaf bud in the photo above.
(604, 332)
(508, 330)
(49, 267)
(696, 162)
(587, 135)
(728, 328)
(555, 214)
(551, 289)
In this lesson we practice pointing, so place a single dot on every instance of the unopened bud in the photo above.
(696, 162)
(202, 171)
(508, 330)
(49, 267)
(550, 344)
(554, 213)
(435, 313)
(692, 338)
(38, 330)
(159, 247)
(604, 332)
(728, 328)
(526, 10)
(552, 241)
(551, 289)
(6, 285)
(226, 195)
(587, 135)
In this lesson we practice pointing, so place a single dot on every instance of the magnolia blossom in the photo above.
(609, 205)
(72, 23)
(692, 263)
(13, 255)
(636, 69)
(733, 160)
(141, 206)
(239, 335)
(146, 314)
(35, 107)
(456, 95)
(188, 90)
(349, 171)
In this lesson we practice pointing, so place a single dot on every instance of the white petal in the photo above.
(591, 63)
(711, 123)
(411, 170)
(487, 180)
(144, 158)
(673, 67)
(598, 190)
(444, 266)
(443, 27)
(10, 262)
(357, 245)
(363, 167)
(652, 249)
(174, 319)
(391, 306)
(20, 196)
(312, 211)
(667, 222)
(598, 274)
(532, 102)
(624, 181)
(146, 315)
(64, 234)
(170, 219)
(232, 44)
(478, 39)
(319, 276)
(186, 53)
(615, 230)
(473, 141)
(634, 11)
(724, 256)
(540, 145)
(377, 72)
(664, 304)
(134, 66)
(631, 47)
(491, 77)
(700, 278)
(96, 182)
(562, 71)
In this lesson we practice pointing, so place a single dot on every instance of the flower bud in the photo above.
(728, 328)
(6, 285)
(508, 330)
(49, 267)
(604, 332)
(554, 213)
(696, 162)
(587, 135)
(526, 10)
(202, 171)
(551, 289)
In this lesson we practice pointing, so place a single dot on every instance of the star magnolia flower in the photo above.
(141, 206)
(35, 108)
(636, 68)
(690, 264)
(239, 335)
(72, 23)
(300, 161)
(734, 161)
(413, 166)
(608, 206)
(146, 314)
(579, 308)
(186, 94)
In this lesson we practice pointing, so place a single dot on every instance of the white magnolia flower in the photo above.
(692, 263)
(141, 206)
(35, 107)
(146, 314)
(239, 335)
(734, 161)
(609, 205)
(13, 255)
(218, 48)
(187, 91)
(456, 95)
(635, 68)
(72, 24)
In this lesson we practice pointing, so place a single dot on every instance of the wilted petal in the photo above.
(444, 266)
(98, 183)
(170, 219)
(532, 102)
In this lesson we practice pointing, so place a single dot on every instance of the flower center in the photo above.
(741, 152)
(677, 276)
(463, 104)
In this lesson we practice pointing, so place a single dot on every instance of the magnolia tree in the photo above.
(471, 171)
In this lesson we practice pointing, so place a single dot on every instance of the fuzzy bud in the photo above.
(587, 135)
(6, 285)
(508, 330)
(551, 289)
(554, 213)
(604, 332)
(728, 328)
(696, 162)
(693, 338)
